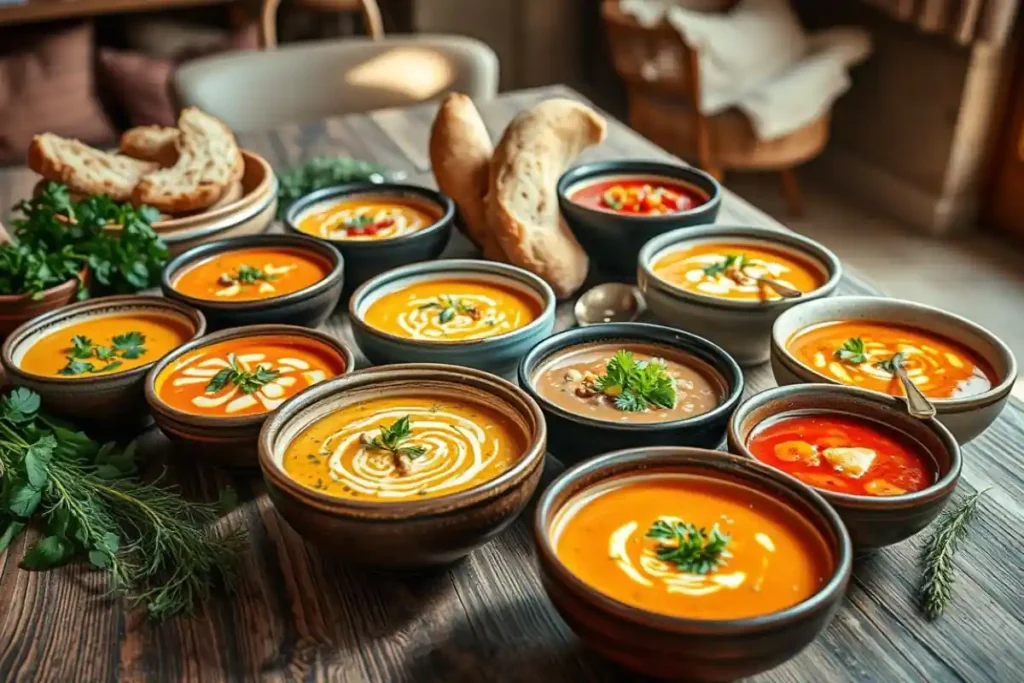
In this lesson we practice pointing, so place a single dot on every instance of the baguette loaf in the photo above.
(86, 170)
(151, 143)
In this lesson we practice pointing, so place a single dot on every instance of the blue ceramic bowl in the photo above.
(498, 354)
(364, 260)
(613, 239)
(573, 437)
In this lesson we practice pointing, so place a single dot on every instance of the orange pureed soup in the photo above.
(251, 274)
(860, 352)
(725, 270)
(452, 310)
(404, 448)
(246, 376)
(367, 218)
(637, 539)
(106, 345)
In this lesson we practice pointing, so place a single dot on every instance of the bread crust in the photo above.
(158, 144)
(523, 209)
(84, 169)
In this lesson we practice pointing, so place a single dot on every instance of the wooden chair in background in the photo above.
(368, 9)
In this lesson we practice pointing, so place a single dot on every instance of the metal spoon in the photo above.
(917, 404)
(785, 291)
(611, 302)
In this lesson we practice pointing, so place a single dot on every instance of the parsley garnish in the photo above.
(128, 346)
(249, 275)
(852, 351)
(247, 382)
(390, 439)
(730, 262)
(636, 385)
(692, 550)
(892, 364)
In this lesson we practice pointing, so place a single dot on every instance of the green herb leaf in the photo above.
(390, 439)
(852, 351)
(11, 531)
(220, 380)
(938, 569)
(447, 313)
(248, 275)
(247, 382)
(47, 553)
(23, 499)
(21, 405)
(637, 385)
(81, 346)
(692, 550)
(730, 262)
(130, 345)
(892, 364)
(323, 172)
(37, 460)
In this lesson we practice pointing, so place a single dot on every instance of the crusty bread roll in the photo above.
(460, 155)
(84, 169)
(151, 143)
(522, 201)
(208, 162)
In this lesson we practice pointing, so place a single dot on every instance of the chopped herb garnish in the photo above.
(248, 275)
(852, 351)
(892, 364)
(390, 439)
(247, 382)
(692, 550)
(450, 306)
(730, 262)
(636, 385)
(357, 223)
(130, 345)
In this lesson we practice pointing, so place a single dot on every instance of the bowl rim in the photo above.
(677, 456)
(441, 200)
(122, 301)
(157, 404)
(946, 406)
(452, 267)
(610, 167)
(203, 251)
(419, 509)
(249, 212)
(810, 249)
(847, 393)
(643, 333)
(17, 299)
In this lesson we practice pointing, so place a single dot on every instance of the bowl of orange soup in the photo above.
(887, 474)
(88, 361)
(212, 396)
(683, 562)
(376, 226)
(711, 280)
(962, 368)
(615, 207)
(404, 466)
(479, 314)
(283, 279)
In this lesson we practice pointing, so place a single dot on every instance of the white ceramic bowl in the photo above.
(965, 417)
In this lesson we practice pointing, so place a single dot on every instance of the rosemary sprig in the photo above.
(938, 569)
(852, 351)
(692, 550)
(247, 382)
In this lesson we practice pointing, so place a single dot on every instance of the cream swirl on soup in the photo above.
(366, 219)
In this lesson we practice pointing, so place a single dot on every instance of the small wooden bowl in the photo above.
(224, 441)
(114, 401)
(15, 309)
(692, 649)
(408, 534)
(873, 522)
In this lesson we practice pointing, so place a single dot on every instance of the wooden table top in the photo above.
(298, 615)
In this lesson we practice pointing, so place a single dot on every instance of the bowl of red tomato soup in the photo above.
(887, 474)
(614, 207)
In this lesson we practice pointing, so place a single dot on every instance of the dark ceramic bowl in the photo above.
(308, 307)
(574, 437)
(693, 649)
(363, 260)
(411, 534)
(15, 309)
(112, 401)
(225, 441)
(614, 240)
(498, 354)
(873, 522)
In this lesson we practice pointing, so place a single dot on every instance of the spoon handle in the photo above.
(782, 290)
(917, 404)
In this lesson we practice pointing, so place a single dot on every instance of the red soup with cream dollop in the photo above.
(844, 454)
(638, 195)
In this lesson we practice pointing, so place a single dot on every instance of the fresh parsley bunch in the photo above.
(636, 385)
(323, 172)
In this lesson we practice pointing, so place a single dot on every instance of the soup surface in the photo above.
(106, 344)
(646, 384)
(844, 454)
(251, 274)
(368, 218)
(726, 270)
(691, 546)
(452, 310)
(246, 376)
(404, 448)
(639, 195)
(861, 352)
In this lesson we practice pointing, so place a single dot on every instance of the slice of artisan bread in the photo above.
(151, 143)
(208, 162)
(84, 169)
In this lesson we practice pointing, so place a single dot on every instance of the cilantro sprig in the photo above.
(636, 385)
(852, 351)
(127, 346)
(692, 550)
(247, 382)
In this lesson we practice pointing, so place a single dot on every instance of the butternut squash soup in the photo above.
(251, 274)
(691, 546)
(368, 218)
(727, 270)
(106, 344)
(246, 376)
(452, 310)
(404, 448)
(863, 353)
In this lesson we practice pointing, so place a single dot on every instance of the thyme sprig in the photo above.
(938, 570)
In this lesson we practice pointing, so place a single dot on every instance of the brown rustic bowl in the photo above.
(410, 534)
(224, 441)
(873, 522)
(15, 309)
(115, 401)
(694, 649)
